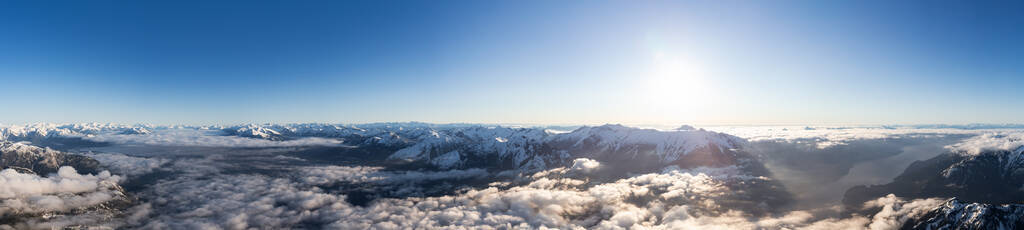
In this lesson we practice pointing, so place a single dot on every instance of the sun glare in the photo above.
(676, 88)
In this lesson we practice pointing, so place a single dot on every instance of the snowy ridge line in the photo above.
(50, 130)
(445, 146)
(449, 145)
(958, 214)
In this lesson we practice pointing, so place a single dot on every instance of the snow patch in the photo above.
(447, 160)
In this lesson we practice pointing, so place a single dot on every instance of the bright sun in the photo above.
(675, 88)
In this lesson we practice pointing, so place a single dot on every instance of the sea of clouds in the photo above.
(561, 198)
(202, 193)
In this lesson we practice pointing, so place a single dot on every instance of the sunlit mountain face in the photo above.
(433, 176)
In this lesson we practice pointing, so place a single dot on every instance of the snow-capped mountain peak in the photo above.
(956, 214)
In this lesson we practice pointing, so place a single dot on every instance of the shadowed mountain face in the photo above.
(993, 177)
(623, 151)
(42, 160)
(818, 176)
(956, 214)
(501, 148)
(984, 190)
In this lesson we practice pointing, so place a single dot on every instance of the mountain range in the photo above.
(983, 189)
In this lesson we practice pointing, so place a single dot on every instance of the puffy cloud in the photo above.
(240, 201)
(585, 165)
(675, 199)
(896, 211)
(559, 198)
(1005, 140)
(63, 191)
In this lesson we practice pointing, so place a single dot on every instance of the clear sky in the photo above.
(557, 62)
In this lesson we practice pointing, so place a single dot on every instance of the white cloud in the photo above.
(673, 199)
(127, 165)
(65, 190)
(585, 165)
(1004, 140)
(896, 211)
(678, 199)
(825, 136)
(210, 195)
(361, 174)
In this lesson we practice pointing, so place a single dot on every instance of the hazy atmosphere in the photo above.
(822, 115)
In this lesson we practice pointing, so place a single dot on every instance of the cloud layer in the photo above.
(271, 189)
(63, 191)
(1005, 140)
(674, 199)
(127, 165)
(825, 137)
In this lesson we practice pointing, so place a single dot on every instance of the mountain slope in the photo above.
(991, 176)
(45, 184)
(956, 214)
(624, 150)
(42, 160)
(465, 146)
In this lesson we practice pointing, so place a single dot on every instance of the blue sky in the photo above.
(557, 62)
